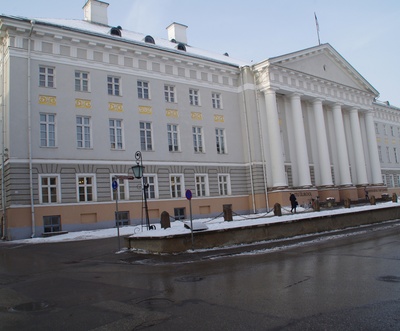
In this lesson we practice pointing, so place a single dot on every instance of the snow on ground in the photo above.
(218, 223)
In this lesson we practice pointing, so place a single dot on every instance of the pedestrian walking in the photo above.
(293, 202)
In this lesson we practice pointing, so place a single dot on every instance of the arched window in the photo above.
(116, 31)
(149, 39)
(181, 47)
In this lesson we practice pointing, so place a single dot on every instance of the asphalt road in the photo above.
(346, 280)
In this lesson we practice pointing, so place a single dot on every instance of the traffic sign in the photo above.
(188, 194)
(114, 185)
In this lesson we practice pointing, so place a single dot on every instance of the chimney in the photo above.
(95, 11)
(177, 32)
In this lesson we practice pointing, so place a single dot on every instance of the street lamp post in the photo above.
(138, 170)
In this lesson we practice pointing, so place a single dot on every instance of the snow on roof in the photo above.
(134, 37)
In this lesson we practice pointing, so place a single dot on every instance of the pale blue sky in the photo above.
(364, 32)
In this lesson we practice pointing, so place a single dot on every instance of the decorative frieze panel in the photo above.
(196, 115)
(145, 110)
(171, 113)
(115, 106)
(47, 100)
(219, 118)
(83, 103)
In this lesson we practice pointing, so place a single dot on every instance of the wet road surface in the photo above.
(346, 280)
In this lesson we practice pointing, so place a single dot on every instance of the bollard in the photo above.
(372, 200)
(347, 203)
(277, 209)
(316, 206)
(227, 212)
(165, 220)
(394, 197)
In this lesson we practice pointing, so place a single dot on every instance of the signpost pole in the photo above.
(189, 197)
(115, 188)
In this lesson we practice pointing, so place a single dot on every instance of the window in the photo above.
(116, 139)
(198, 139)
(194, 97)
(376, 128)
(113, 85)
(143, 90)
(122, 218)
(385, 129)
(380, 154)
(46, 76)
(145, 136)
(122, 191)
(392, 130)
(224, 184)
(151, 191)
(216, 100)
(81, 81)
(47, 130)
(179, 214)
(49, 189)
(384, 180)
(396, 157)
(83, 132)
(176, 186)
(173, 137)
(169, 93)
(201, 185)
(388, 154)
(220, 140)
(51, 223)
(86, 188)
(391, 181)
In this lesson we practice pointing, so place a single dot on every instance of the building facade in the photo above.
(79, 98)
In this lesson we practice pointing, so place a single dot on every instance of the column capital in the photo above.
(269, 90)
(319, 100)
(295, 94)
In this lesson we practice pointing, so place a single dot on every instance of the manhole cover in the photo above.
(189, 279)
(155, 303)
(29, 307)
(390, 279)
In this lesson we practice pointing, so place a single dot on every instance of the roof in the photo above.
(127, 36)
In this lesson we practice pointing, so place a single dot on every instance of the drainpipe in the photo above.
(30, 133)
(248, 140)
(3, 109)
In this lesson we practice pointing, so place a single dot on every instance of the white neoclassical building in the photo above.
(80, 97)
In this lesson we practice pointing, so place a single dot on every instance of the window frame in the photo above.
(216, 100)
(47, 78)
(144, 136)
(114, 85)
(123, 188)
(194, 97)
(226, 188)
(152, 190)
(57, 186)
(117, 135)
(93, 185)
(202, 185)
(143, 89)
(173, 137)
(198, 139)
(173, 190)
(48, 125)
(82, 83)
(83, 140)
(169, 93)
(52, 226)
(220, 135)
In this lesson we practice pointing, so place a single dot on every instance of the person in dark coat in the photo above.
(293, 202)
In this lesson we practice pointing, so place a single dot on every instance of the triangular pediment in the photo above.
(324, 62)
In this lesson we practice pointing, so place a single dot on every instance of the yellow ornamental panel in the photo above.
(147, 110)
(197, 116)
(47, 100)
(83, 103)
(218, 118)
(171, 113)
(115, 106)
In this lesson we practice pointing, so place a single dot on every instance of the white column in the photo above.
(322, 144)
(373, 149)
(274, 135)
(300, 142)
(361, 169)
(345, 178)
